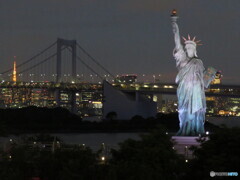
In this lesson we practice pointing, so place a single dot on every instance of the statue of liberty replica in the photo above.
(192, 79)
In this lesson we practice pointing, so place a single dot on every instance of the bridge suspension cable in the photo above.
(32, 58)
(95, 61)
(87, 66)
(38, 64)
(43, 61)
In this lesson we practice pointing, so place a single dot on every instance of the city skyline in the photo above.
(126, 37)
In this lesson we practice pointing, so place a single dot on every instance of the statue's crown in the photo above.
(192, 41)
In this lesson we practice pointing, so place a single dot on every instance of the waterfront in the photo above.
(92, 140)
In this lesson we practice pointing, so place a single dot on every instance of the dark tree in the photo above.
(111, 115)
(24, 161)
(219, 154)
(152, 157)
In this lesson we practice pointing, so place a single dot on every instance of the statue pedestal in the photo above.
(183, 143)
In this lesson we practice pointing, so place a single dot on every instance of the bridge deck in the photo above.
(150, 88)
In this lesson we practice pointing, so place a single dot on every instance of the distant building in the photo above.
(211, 105)
(126, 78)
(89, 101)
(127, 105)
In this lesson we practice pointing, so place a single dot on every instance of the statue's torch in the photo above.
(174, 15)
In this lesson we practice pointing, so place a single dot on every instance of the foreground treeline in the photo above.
(35, 119)
(151, 158)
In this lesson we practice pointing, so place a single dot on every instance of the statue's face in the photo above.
(190, 50)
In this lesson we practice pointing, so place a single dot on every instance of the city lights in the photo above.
(41, 96)
(119, 76)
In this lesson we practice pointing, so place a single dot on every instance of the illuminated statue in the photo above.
(191, 79)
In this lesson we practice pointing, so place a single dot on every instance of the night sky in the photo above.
(126, 36)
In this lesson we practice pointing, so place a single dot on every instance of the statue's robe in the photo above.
(190, 93)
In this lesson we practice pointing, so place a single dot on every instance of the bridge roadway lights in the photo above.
(223, 89)
(72, 89)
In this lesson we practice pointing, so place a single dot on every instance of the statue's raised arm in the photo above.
(178, 52)
(176, 33)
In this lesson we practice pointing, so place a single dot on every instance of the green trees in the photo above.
(111, 115)
(34, 119)
(152, 157)
(23, 162)
(219, 154)
(3, 128)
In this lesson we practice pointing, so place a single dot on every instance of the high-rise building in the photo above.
(126, 78)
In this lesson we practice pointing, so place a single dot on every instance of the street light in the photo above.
(103, 158)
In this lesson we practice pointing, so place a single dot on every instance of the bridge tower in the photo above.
(68, 44)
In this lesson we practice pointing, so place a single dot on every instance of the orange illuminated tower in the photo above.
(14, 71)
